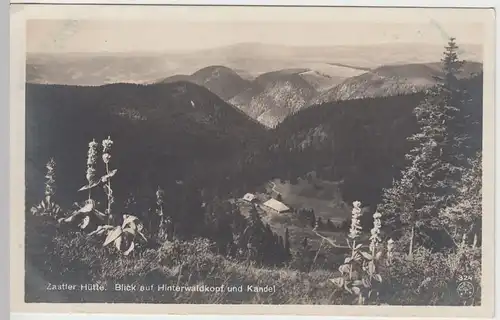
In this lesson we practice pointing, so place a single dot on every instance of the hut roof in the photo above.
(276, 205)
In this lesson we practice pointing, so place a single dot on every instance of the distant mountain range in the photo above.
(273, 96)
(270, 97)
(267, 82)
(248, 59)
(391, 80)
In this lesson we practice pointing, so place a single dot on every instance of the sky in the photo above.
(189, 33)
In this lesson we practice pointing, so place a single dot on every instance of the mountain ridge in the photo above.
(390, 80)
(176, 130)
(269, 97)
(221, 80)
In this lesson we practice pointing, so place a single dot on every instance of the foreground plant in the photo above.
(85, 216)
(91, 171)
(159, 209)
(88, 215)
(106, 180)
(390, 251)
(360, 268)
(125, 236)
(48, 206)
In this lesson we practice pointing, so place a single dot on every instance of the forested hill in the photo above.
(222, 81)
(183, 135)
(163, 133)
(361, 141)
(392, 80)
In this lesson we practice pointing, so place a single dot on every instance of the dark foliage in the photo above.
(164, 133)
(362, 142)
(448, 137)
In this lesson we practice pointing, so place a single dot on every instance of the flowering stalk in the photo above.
(50, 187)
(106, 157)
(47, 206)
(464, 238)
(91, 160)
(355, 229)
(159, 201)
(375, 232)
(390, 247)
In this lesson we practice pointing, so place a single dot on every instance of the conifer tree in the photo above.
(287, 242)
(313, 218)
(437, 158)
(281, 242)
(254, 233)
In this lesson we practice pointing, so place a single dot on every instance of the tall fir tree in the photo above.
(312, 218)
(437, 159)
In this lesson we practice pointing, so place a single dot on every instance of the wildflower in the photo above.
(159, 196)
(390, 247)
(355, 230)
(106, 147)
(47, 206)
(375, 232)
(106, 144)
(159, 209)
(91, 160)
(106, 157)
(50, 183)
(92, 153)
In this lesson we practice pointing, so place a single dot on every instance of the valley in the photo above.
(336, 160)
(179, 134)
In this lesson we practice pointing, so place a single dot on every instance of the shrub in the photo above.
(431, 278)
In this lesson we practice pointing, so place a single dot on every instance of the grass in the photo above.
(57, 255)
(72, 258)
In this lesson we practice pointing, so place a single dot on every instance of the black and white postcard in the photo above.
(248, 160)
